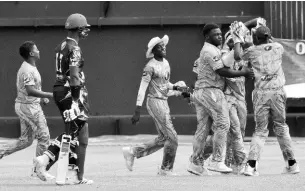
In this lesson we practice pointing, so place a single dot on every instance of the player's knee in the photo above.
(281, 130)
(44, 138)
(173, 140)
(27, 142)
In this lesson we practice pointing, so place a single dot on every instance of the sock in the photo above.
(252, 163)
(291, 162)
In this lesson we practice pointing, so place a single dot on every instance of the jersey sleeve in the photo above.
(145, 80)
(195, 66)
(75, 57)
(281, 48)
(28, 79)
(213, 60)
(245, 55)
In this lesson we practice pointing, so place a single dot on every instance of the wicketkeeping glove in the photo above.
(72, 113)
(238, 31)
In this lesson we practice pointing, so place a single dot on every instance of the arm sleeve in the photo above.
(146, 77)
(28, 79)
(213, 60)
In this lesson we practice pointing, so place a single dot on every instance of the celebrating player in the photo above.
(70, 95)
(210, 102)
(32, 120)
(268, 96)
(156, 76)
(235, 95)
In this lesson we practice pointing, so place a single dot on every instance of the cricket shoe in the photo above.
(129, 157)
(219, 167)
(163, 172)
(47, 175)
(294, 169)
(250, 171)
(238, 169)
(40, 169)
(198, 170)
(72, 179)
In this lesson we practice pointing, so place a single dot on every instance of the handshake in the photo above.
(183, 88)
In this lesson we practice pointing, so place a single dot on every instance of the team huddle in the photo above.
(219, 99)
(218, 96)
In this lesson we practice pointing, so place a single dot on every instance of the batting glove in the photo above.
(72, 113)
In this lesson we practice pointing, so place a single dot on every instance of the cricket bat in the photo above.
(63, 160)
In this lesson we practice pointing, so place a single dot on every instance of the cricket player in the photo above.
(211, 105)
(71, 98)
(156, 77)
(27, 105)
(268, 96)
(235, 95)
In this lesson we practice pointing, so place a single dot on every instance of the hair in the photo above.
(208, 27)
(25, 49)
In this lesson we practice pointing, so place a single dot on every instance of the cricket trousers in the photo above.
(212, 113)
(235, 153)
(167, 137)
(77, 128)
(33, 125)
(266, 103)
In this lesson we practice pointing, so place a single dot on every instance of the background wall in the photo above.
(114, 52)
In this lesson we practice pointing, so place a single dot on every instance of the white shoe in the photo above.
(249, 171)
(129, 157)
(294, 169)
(238, 169)
(163, 172)
(198, 169)
(47, 175)
(219, 167)
(40, 168)
(73, 179)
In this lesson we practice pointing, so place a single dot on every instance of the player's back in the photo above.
(63, 55)
(266, 60)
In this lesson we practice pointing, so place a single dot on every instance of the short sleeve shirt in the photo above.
(27, 75)
(266, 60)
(206, 65)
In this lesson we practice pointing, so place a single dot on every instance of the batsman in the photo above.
(71, 98)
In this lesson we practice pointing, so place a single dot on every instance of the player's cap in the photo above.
(153, 42)
(75, 21)
(263, 32)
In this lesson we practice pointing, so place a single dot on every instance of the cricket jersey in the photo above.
(27, 75)
(266, 60)
(67, 54)
(205, 67)
(236, 86)
(156, 75)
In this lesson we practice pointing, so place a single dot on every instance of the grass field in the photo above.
(105, 165)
